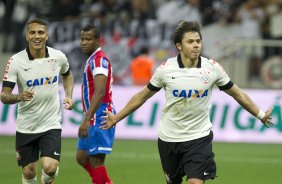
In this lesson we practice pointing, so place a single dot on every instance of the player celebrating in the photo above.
(36, 72)
(185, 135)
(94, 143)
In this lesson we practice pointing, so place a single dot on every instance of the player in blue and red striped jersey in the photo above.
(94, 143)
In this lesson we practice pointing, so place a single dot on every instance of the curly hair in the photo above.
(184, 27)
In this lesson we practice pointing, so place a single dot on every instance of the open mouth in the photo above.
(37, 43)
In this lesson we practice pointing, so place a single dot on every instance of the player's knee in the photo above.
(195, 181)
(49, 177)
(81, 160)
(29, 172)
(50, 170)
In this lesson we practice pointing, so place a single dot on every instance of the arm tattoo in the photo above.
(9, 98)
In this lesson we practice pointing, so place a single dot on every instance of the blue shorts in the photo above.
(98, 141)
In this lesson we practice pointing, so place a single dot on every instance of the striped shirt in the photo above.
(96, 64)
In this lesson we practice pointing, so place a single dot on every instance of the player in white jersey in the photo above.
(36, 72)
(185, 134)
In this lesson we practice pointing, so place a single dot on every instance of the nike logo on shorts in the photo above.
(205, 173)
(55, 153)
(93, 149)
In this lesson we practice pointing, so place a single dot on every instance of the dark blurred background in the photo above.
(245, 36)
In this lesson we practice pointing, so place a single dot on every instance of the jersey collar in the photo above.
(180, 64)
(30, 57)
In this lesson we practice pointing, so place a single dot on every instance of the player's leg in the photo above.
(100, 143)
(98, 171)
(29, 173)
(82, 157)
(27, 150)
(94, 164)
(50, 147)
(198, 160)
(171, 161)
(50, 170)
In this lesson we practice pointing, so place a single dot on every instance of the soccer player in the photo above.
(94, 143)
(185, 135)
(36, 72)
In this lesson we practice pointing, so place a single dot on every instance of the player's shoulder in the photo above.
(19, 56)
(208, 63)
(101, 54)
(170, 62)
(167, 65)
(56, 53)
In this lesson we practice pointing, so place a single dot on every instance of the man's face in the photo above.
(36, 36)
(88, 43)
(190, 45)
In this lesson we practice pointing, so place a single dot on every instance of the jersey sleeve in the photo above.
(157, 79)
(100, 66)
(223, 81)
(65, 64)
(11, 71)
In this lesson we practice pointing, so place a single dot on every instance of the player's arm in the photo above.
(134, 103)
(8, 98)
(68, 84)
(100, 82)
(246, 102)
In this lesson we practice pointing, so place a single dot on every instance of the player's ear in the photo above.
(178, 46)
(26, 38)
(98, 41)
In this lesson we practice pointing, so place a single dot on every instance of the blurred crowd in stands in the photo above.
(129, 25)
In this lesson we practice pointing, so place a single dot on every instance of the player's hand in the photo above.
(266, 120)
(26, 96)
(109, 121)
(83, 129)
(68, 103)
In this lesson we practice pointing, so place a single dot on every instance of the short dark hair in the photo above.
(93, 28)
(184, 27)
(38, 21)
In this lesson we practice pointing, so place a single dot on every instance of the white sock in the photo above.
(46, 178)
(31, 181)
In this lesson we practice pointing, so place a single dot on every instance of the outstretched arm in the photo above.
(246, 102)
(134, 103)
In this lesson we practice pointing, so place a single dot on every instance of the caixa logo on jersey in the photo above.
(42, 81)
(190, 93)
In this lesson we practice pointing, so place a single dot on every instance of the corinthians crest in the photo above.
(205, 76)
(53, 64)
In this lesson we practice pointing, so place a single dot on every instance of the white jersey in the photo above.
(43, 112)
(188, 94)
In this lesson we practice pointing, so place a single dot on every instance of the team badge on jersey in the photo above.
(105, 63)
(205, 76)
(53, 64)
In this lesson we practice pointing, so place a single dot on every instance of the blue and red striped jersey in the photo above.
(97, 63)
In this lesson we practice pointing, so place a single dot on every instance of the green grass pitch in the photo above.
(138, 162)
